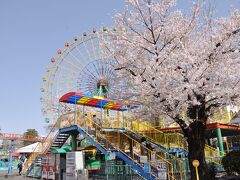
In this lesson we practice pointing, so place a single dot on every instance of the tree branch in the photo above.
(182, 124)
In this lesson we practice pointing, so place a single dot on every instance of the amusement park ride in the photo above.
(9, 152)
(82, 86)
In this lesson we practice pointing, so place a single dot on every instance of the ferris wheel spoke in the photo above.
(70, 63)
(102, 69)
(96, 70)
(99, 37)
(63, 82)
(79, 51)
(90, 80)
(67, 70)
(89, 73)
(66, 85)
(93, 46)
(64, 89)
(108, 72)
(83, 83)
(111, 75)
(61, 92)
(90, 70)
(86, 88)
(85, 46)
(89, 84)
(104, 48)
(66, 76)
(75, 57)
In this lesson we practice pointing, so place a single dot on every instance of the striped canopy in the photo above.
(96, 101)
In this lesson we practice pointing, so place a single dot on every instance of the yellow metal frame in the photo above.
(175, 139)
(167, 140)
(149, 152)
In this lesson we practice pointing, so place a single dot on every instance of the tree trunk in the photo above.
(196, 143)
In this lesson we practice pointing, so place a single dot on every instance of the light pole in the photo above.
(10, 158)
(196, 163)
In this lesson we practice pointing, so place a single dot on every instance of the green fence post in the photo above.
(220, 141)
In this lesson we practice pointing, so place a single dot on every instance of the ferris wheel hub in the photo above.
(102, 82)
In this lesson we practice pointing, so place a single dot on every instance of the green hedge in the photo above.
(231, 162)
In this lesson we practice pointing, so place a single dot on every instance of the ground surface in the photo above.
(14, 177)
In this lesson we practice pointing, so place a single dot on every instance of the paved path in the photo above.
(15, 178)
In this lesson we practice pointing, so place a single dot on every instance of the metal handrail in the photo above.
(36, 152)
(117, 148)
(100, 135)
(47, 141)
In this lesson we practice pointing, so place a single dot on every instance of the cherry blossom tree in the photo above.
(187, 66)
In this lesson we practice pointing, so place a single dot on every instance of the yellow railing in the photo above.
(210, 151)
(118, 146)
(42, 148)
(136, 148)
(167, 140)
(178, 165)
(213, 155)
(173, 140)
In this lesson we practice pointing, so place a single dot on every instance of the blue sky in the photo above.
(30, 33)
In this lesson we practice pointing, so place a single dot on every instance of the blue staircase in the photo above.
(58, 141)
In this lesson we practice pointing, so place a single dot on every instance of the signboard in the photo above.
(147, 168)
(112, 155)
(162, 170)
(153, 157)
(143, 159)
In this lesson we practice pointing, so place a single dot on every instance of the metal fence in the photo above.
(111, 171)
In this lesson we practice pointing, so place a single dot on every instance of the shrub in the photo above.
(211, 171)
(231, 162)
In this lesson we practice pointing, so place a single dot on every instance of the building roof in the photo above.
(63, 150)
(30, 148)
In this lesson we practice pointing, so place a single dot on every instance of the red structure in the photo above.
(21, 137)
(49, 166)
(227, 129)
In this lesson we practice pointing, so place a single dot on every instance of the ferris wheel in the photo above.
(83, 65)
